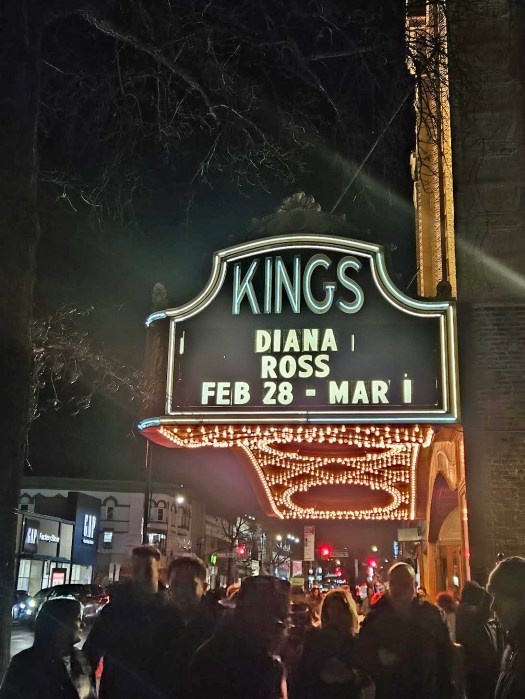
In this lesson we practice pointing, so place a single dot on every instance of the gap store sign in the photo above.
(308, 329)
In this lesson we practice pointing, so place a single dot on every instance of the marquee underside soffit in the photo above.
(321, 472)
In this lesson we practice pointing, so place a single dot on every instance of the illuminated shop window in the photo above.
(157, 539)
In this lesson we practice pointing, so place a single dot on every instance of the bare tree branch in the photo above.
(339, 54)
(64, 357)
(109, 29)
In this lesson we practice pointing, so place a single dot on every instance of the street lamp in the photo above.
(180, 499)
(278, 537)
(374, 549)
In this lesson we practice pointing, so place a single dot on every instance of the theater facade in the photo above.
(337, 390)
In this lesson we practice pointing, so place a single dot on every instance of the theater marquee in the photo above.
(307, 329)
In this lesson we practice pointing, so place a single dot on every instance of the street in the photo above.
(21, 638)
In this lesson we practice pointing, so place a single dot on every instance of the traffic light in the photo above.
(213, 559)
(325, 551)
(241, 551)
(372, 562)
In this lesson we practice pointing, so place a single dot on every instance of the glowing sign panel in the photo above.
(308, 329)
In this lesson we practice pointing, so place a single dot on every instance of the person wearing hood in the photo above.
(52, 668)
(507, 587)
(481, 639)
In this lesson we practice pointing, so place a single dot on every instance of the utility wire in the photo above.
(372, 149)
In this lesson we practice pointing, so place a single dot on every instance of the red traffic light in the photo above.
(241, 550)
(325, 551)
(372, 562)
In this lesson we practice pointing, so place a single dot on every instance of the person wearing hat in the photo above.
(241, 660)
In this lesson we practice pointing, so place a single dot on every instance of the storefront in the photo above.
(86, 510)
(44, 552)
(108, 521)
(54, 550)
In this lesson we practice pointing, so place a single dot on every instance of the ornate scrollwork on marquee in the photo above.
(379, 457)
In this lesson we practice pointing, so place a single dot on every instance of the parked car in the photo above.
(92, 598)
(29, 612)
(22, 601)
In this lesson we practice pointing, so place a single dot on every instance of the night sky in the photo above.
(112, 265)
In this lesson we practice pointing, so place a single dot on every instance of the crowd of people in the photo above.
(262, 640)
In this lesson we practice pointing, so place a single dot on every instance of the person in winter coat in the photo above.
(187, 579)
(327, 669)
(52, 668)
(241, 660)
(446, 602)
(481, 639)
(132, 632)
(300, 621)
(404, 643)
(507, 586)
(314, 602)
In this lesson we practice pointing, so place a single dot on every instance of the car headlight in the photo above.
(29, 611)
(32, 603)
(22, 605)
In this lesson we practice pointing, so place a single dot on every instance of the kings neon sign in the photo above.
(308, 329)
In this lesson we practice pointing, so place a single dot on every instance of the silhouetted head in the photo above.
(507, 587)
(187, 582)
(472, 593)
(446, 602)
(401, 585)
(315, 593)
(57, 625)
(263, 608)
(145, 567)
(339, 612)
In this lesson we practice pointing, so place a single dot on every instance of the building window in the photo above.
(157, 539)
(110, 509)
(26, 505)
(24, 574)
(107, 539)
(81, 574)
(160, 514)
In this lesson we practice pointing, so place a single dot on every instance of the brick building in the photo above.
(469, 179)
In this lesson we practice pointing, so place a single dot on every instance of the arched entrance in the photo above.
(445, 552)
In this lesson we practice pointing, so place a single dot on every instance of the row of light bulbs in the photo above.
(283, 473)
(371, 513)
(347, 433)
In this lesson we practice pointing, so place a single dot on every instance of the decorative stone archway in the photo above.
(442, 497)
